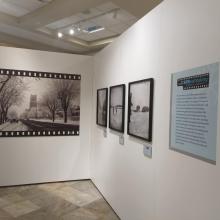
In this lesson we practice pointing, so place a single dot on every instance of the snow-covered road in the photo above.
(13, 127)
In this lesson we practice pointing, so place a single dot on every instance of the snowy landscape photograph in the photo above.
(140, 106)
(117, 107)
(37, 104)
(102, 103)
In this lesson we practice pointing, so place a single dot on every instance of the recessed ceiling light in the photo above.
(60, 35)
(71, 31)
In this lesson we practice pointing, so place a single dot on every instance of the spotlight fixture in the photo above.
(71, 31)
(60, 35)
(79, 27)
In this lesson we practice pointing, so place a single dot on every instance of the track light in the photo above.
(60, 35)
(71, 31)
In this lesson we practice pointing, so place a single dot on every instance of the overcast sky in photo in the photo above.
(140, 94)
(36, 86)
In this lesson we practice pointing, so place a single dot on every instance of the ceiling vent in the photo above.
(44, 1)
(93, 29)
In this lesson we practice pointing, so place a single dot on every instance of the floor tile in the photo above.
(100, 206)
(5, 216)
(60, 208)
(109, 216)
(10, 199)
(40, 214)
(74, 196)
(81, 214)
(4, 191)
(3, 203)
(9, 190)
(87, 187)
(20, 208)
(32, 193)
(50, 186)
(45, 200)
(72, 200)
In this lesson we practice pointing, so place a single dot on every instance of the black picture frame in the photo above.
(140, 114)
(117, 91)
(102, 108)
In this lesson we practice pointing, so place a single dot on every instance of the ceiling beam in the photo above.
(34, 40)
(56, 10)
(7, 19)
(40, 38)
(14, 41)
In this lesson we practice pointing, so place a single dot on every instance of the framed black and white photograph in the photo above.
(102, 105)
(39, 103)
(140, 109)
(117, 108)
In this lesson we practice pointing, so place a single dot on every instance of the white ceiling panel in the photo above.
(19, 8)
(85, 25)
(105, 33)
(118, 29)
(107, 7)
(124, 16)
(12, 9)
(64, 22)
(89, 13)
(96, 35)
(88, 37)
(106, 20)
(82, 26)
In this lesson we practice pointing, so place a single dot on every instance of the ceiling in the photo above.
(20, 8)
(35, 24)
(107, 15)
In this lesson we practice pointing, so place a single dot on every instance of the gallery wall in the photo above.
(175, 36)
(25, 160)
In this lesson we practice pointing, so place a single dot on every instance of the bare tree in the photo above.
(51, 101)
(67, 90)
(3, 82)
(11, 94)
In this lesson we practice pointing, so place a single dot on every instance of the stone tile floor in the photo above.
(76, 200)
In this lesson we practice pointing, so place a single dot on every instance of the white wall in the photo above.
(175, 36)
(46, 159)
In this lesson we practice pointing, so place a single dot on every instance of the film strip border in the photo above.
(38, 133)
(49, 75)
(194, 82)
(195, 87)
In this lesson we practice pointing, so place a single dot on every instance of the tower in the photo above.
(33, 101)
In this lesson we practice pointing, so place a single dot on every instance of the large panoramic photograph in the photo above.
(39, 104)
